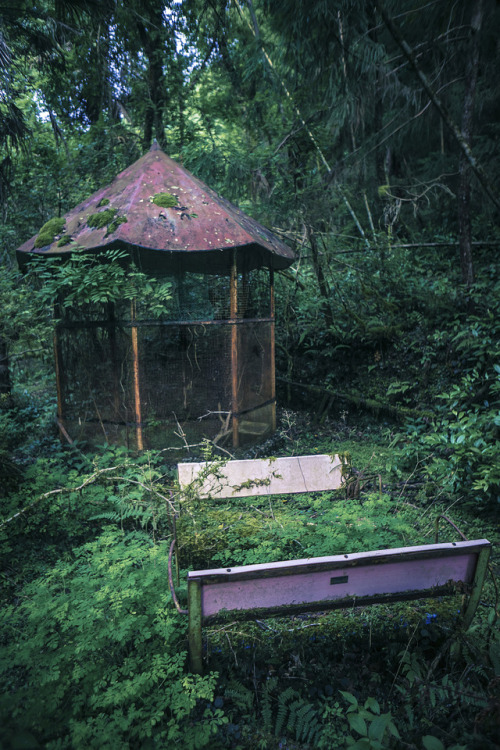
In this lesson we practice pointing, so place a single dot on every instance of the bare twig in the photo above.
(62, 490)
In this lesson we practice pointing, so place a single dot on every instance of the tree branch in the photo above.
(443, 112)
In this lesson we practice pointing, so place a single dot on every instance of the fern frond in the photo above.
(283, 700)
(241, 696)
(267, 712)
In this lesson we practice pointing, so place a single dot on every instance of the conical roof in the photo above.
(167, 218)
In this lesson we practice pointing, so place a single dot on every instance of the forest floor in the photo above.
(385, 676)
(300, 675)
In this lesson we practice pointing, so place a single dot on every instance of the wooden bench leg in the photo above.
(194, 633)
(477, 586)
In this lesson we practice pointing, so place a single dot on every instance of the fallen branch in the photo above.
(366, 403)
(62, 490)
(90, 480)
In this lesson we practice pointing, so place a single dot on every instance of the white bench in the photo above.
(340, 581)
(265, 476)
(321, 583)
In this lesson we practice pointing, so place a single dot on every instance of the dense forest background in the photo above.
(365, 134)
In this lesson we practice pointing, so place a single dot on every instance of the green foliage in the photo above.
(100, 278)
(98, 648)
(459, 446)
(374, 728)
(90, 635)
(92, 649)
(429, 742)
(287, 713)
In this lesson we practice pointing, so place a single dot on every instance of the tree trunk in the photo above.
(5, 383)
(464, 218)
(320, 276)
(378, 108)
(152, 40)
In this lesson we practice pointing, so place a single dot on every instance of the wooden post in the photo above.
(477, 585)
(273, 352)
(233, 314)
(135, 371)
(194, 628)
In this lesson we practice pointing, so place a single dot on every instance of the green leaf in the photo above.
(432, 743)
(393, 729)
(373, 705)
(349, 697)
(357, 723)
(378, 727)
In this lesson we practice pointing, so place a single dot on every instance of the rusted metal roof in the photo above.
(167, 218)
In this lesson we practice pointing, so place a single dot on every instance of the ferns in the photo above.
(241, 696)
(303, 721)
(283, 708)
(267, 711)
(292, 714)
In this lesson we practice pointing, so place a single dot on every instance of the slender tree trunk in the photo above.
(318, 269)
(464, 191)
(5, 383)
(152, 41)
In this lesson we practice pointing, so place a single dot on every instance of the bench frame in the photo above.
(336, 582)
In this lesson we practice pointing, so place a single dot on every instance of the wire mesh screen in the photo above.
(185, 376)
(174, 378)
(202, 297)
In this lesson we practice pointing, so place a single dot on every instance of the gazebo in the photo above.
(205, 366)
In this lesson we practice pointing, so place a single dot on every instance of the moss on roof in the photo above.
(48, 232)
(165, 200)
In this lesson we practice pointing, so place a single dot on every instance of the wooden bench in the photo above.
(264, 476)
(340, 581)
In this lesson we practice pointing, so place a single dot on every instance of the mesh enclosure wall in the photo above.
(183, 376)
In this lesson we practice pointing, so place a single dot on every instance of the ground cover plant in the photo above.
(94, 651)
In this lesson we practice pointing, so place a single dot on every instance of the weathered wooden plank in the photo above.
(245, 478)
(324, 586)
(284, 567)
(365, 574)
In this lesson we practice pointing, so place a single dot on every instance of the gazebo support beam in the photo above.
(233, 314)
(135, 372)
(273, 363)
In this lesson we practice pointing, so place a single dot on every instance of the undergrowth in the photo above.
(94, 653)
